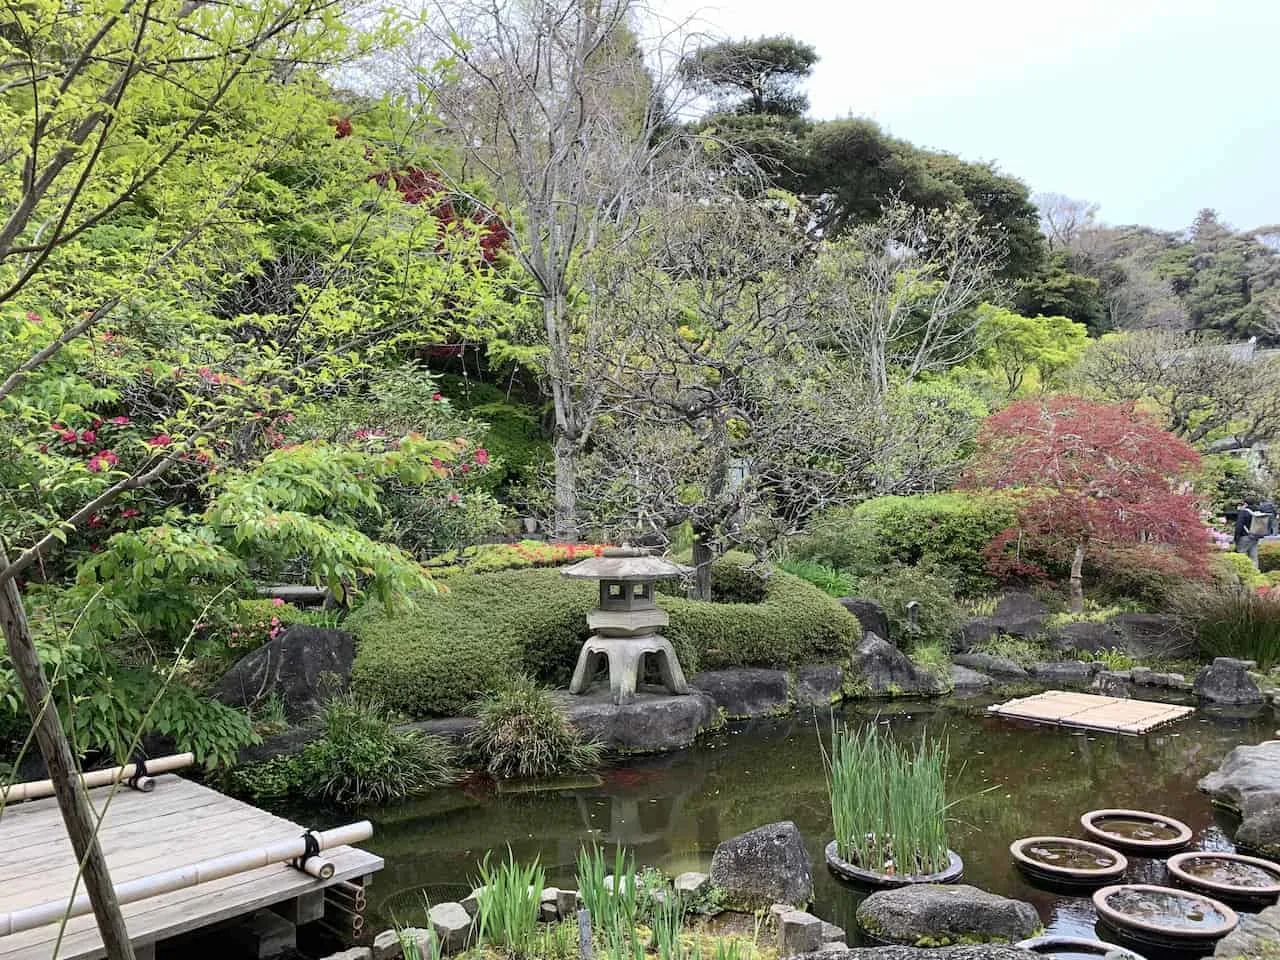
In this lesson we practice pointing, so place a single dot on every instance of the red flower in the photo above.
(160, 440)
(436, 396)
(56, 427)
(68, 436)
(120, 421)
(466, 467)
(33, 317)
(102, 460)
(97, 422)
(481, 456)
(130, 512)
(342, 128)
(206, 373)
(277, 602)
(454, 498)
(95, 520)
(44, 448)
(88, 436)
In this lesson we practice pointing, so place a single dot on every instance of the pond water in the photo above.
(1016, 780)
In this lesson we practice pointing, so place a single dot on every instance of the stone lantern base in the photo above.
(625, 657)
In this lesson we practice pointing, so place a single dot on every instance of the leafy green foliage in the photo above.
(1027, 353)
(507, 909)
(358, 759)
(523, 733)
(829, 580)
(1113, 658)
(758, 76)
(947, 531)
(1269, 556)
(938, 617)
(437, 654)
(1021, 651)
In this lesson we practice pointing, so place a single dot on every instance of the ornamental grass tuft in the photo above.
(523, 733)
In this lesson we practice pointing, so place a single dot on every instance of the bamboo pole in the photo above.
(188, 876)
(35, 789)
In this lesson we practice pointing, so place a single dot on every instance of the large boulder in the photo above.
(764, 866)
(1155, 635)
(1256, 938)
(870, 614)
(937, 915)
(1019, 614)
(1072, 673)
(1227, 681)
(652, 723)
(1249, 781)
(880, 669)
(981, 951)
(303, 666)
(819, 684)
(962, 678)
(998, 668)
(972, 633)
(1087, 636)
(746, 692)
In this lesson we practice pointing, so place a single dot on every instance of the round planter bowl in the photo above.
(1136, 830)
(1216, 919)
(1075, 948)
(1077, 870)
(867, 878)
(1265, 890)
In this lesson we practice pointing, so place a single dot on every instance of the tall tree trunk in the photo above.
(73, 799)
(566, 497)
(1077, 580)
(702, 557)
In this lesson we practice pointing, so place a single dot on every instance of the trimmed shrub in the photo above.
(939, 615)
(1269, 556)
(439, 653)
(1231, 569)
(948, 531)
(523, 733)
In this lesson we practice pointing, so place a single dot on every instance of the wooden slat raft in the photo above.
(1091, 712)
(179, 823)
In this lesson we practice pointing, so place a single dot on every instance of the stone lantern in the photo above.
(626, 622)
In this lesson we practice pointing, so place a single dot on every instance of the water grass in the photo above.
(888, 801)
(507, 908)
(614, 906)
(1236, 623)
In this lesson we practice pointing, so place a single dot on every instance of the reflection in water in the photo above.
(1014, 780)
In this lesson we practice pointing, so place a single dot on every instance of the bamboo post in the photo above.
(73, 798)
(36, 789)
(188, 876)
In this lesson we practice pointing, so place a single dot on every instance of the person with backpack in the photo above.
(1268, 506)
(1251, 526)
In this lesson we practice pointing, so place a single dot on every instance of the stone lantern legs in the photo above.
(625, 659)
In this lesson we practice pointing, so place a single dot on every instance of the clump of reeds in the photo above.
(507, 908)
(888, 801)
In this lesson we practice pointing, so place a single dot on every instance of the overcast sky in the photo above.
(1150, 108)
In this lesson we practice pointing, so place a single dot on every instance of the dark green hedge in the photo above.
(437, 655)
(947, 531)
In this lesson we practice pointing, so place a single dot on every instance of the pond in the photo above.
(1015, 779)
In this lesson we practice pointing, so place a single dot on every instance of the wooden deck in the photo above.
(179, 823)
(1091, 712)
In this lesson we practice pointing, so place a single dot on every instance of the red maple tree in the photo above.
(1099, 481)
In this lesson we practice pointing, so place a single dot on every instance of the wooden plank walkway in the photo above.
(179, 823)
(1091, 712)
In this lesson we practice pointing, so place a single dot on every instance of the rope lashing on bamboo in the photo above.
(37, 789)
(139, 780)
(205, 871)
(311, 862)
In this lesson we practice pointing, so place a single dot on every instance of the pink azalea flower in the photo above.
(88, 436)
(68, 436)
(102, 460)
(481, 456)
(277, 602)
(120, 421)
(437, 396)
(33, 317)
(160, 440)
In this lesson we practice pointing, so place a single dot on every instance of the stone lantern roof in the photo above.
(625, 564)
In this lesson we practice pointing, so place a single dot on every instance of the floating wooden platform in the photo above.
(179, 823)
(1091, 712)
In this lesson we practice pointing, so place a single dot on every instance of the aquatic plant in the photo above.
(508, 906)
(614, 905)
(888, 802)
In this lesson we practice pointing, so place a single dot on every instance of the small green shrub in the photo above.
(1020, 651)
(948, 531)
(934, 657)
(1113, 658)
(437, 654)
(523, 733)
(940, 615)
(1268, 556)
(1235, 623)
(829, 580)
(1231, 569)
(359, 759)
